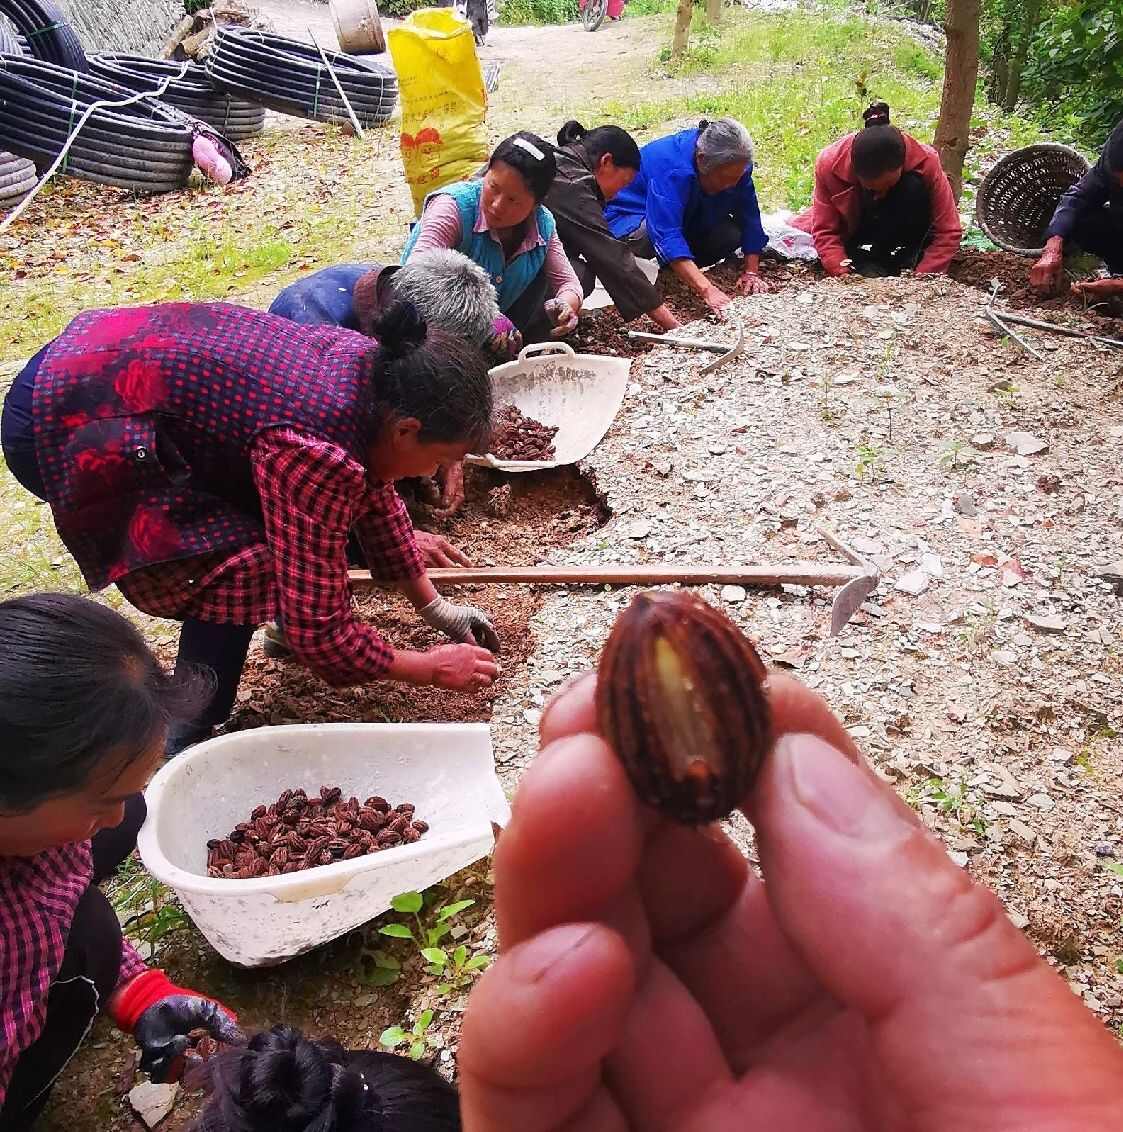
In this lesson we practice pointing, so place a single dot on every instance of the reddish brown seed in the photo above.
(387, 839)
(259, 812)
(411, 835)
(352, 851)
(421, 826)
(680, 698)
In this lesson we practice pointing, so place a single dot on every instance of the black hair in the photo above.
(438, 379)
(520, 152)
(617, 143)
(80, 691)
(1113, 151)
(880, 147)
(284, 1082)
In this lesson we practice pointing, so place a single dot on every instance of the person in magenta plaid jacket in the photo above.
(211, 461)
(84, 711)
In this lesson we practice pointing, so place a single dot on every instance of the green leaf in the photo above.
(407, 902)
(435, 935)
(459, 955)
(1115, 867)
(450, 910)
(392, 1037)
(417, 1051)
(1119, 966)
(435, 956)
(424, 1020)
(477, 963)
(396, 931)
(380, 977)
(381, 959)
(444, 988)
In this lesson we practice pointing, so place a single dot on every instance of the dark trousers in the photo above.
(1099, 231)
(707, 245)
(526, 311)
(894, 230)
(17, 431)
(88, 977)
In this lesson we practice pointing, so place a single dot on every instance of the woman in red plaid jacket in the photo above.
(211, 461)
(84, 711)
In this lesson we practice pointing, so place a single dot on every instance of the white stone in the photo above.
(915, 582)
(641, 528)
(1026, 444)
(1041, 801)
(1022, 831)
(153, 1102)
(1051, 624)
(734, 595)
(982, 440)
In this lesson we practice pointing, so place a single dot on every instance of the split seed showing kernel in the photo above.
(680, 698)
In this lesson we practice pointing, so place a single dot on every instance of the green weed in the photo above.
(149, 912)
(414, 1037)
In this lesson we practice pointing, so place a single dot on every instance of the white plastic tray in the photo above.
(580, 394)
(445, 769)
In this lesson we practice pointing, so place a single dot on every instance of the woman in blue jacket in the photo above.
(693, 205)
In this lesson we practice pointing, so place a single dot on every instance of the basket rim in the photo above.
(1003, 163)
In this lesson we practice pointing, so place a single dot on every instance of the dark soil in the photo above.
(980, 269)
(605, 332)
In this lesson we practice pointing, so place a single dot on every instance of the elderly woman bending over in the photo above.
(693, 205)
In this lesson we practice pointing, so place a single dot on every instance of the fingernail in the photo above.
(842, 796)
(537, 957)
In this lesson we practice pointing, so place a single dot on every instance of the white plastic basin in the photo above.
(447, 770)
(580, 394)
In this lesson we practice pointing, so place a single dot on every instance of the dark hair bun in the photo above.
(877, 115)
(703, 124)
(571, 132)
(401, 330)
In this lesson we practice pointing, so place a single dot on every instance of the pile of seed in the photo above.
(516, 437)
(300, 832)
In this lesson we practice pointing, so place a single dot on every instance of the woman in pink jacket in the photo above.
(883, 204)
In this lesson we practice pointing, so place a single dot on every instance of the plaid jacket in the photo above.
(145, 418)
(38, 896)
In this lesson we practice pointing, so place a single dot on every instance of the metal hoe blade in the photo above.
(850, 597)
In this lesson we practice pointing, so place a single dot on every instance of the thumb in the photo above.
(968, 1022)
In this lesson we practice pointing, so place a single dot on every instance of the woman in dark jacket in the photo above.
(593, 167)
(211, 462)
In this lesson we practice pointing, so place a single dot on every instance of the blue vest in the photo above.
(510, 278)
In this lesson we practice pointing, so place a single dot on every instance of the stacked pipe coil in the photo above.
(46, 31)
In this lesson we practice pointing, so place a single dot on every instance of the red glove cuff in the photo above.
(135, 997)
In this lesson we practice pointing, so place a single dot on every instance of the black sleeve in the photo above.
(1091, 191)
(584, 233)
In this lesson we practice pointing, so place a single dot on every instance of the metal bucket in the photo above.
(358, 27)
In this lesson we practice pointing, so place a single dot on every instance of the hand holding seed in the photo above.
(649, 979)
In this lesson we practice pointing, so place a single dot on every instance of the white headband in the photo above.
(530, 148)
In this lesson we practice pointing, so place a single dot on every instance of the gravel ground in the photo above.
(983, 677)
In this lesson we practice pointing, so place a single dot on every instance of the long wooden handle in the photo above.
(693, 343)
(792, 573)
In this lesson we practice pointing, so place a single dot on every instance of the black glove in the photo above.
(161, 1031)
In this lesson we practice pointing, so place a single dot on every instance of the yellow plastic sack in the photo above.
(443, 100)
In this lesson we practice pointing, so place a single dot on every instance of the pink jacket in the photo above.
(834, 213)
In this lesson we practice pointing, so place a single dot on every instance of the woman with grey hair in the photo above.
(449, 291)
(693, 205)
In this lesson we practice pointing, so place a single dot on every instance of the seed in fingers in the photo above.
(680, 698)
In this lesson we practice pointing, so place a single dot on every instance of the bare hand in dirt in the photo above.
(562, 317)
(1098, 288)
(1045, 277)
(462, 667)
(648, 979)
(450, 478)
(716, 299)
(437, 552)
(752, 283)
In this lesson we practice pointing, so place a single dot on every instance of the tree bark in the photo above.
(1031, 16)
(961, 73)
(682, 28)
(713, 11)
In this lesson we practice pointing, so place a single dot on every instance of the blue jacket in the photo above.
(666, 194)
(324, 297)
(1097, 188)
(509, 278)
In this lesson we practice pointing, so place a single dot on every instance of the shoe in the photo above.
(275, 646)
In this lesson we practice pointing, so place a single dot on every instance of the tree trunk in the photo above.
(1000, 68)
(961, 73)
(682, 28)
(1031, 16)
(713, 11)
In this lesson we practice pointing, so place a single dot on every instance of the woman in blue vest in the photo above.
(499, 221)
(693, 205)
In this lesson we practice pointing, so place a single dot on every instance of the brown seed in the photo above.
(406, 808)
(296, 843)
(259, 812)
(411, 835)
(680, 698)
(280, 857)
(326, 857)
(421, 826)
(284, 799)
(330, 794)
(352, 851)
(388, 838)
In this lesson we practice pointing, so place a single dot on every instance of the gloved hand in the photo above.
(462, 623)
(562, 316)
(160, 1015)
(505, 340)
